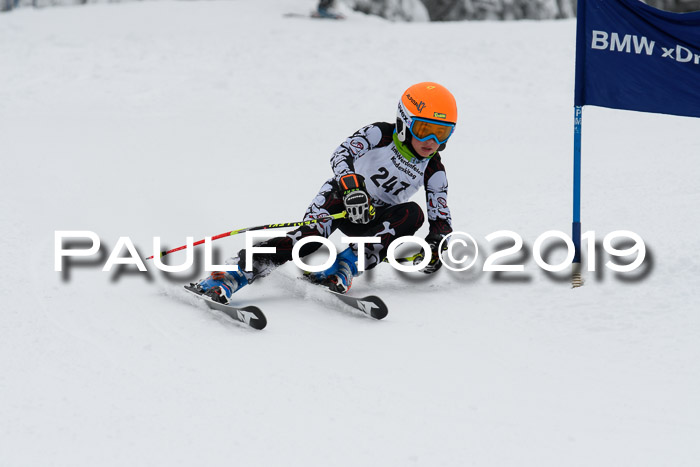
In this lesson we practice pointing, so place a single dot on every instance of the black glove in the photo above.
(356, 199)
(435, 262)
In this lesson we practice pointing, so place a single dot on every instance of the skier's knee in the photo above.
(415, 215)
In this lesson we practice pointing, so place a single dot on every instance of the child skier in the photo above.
(324, 10)
(375, 172)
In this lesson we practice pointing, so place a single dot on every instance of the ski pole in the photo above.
(408, 259)
(339, 215)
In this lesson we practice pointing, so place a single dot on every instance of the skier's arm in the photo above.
(369, 137)
(439, 218)
(351, 185)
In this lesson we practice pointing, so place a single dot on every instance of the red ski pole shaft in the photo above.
(339, 215)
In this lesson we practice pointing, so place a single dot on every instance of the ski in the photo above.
(371, 305)
(315, 15)
(250, 315)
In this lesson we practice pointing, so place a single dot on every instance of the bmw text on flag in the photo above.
(629, 43)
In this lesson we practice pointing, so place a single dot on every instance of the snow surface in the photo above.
(178, 119)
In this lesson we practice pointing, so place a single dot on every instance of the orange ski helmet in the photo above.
(429, 103)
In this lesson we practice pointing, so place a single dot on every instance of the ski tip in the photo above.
(380, 314)
(260, 321)
(381, 311)
(250, 315)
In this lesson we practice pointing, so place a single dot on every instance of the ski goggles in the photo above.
(423, 130)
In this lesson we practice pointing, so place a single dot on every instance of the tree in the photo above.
(401, 10)
(458, 10)
(678, 6)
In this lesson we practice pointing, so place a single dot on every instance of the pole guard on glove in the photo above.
(356, 199)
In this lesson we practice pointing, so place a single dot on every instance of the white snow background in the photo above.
(178, 119)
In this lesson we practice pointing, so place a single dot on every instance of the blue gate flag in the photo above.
(632, 56)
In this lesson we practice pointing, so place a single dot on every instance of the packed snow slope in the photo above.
(178, 119)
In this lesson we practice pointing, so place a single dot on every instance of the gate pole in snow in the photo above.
(576, 279)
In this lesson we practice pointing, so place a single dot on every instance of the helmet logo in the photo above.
(419, 106)
(439, 115)
(403, 115)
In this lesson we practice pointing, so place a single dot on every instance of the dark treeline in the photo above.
(436, 10)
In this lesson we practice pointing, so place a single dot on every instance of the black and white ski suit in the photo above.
(390, 179)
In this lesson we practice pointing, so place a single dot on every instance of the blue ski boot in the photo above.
(338, 277)
(222, 284)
